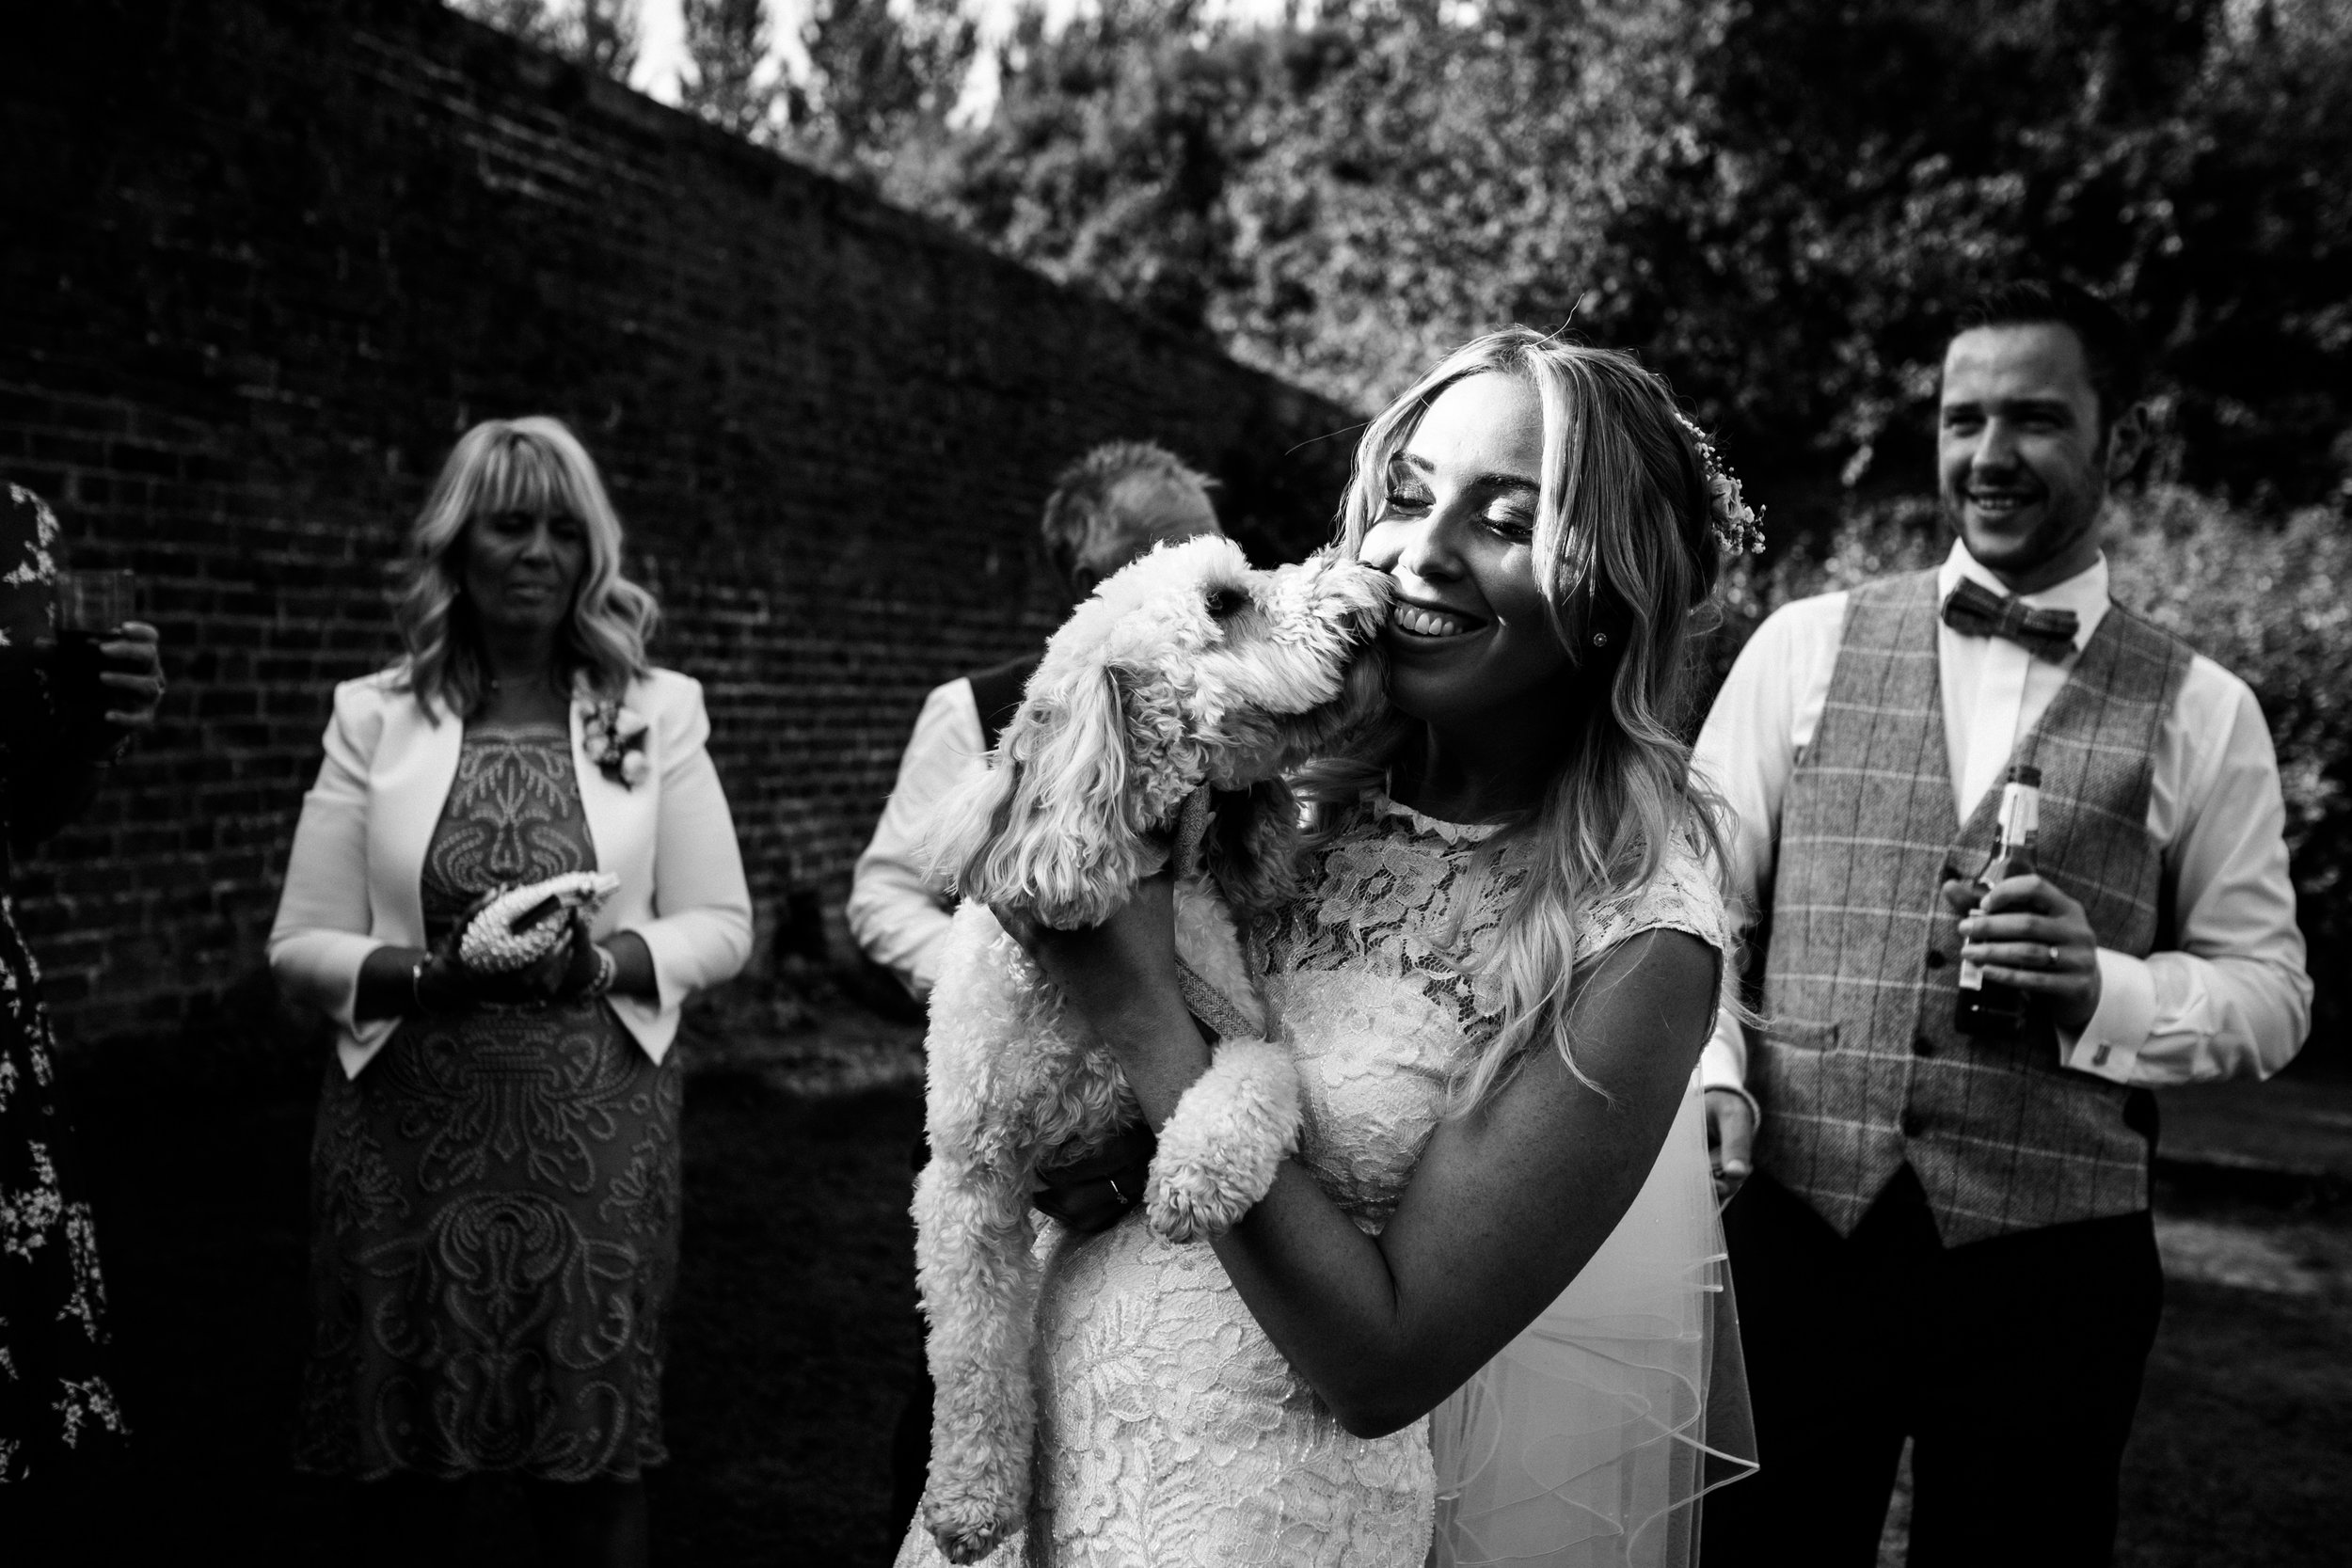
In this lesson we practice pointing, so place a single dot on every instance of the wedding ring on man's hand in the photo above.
(2053, 947)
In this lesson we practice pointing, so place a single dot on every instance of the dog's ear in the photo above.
(968, 818)
(1251, 850)
(1049, 829)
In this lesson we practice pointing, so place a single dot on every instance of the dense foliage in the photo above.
(601, 35)
(1777, 204)
(727, 79)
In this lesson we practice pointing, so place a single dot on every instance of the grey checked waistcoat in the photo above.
(1859, 1070)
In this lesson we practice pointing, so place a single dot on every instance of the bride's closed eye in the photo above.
(1406, 495)
(1513, 523)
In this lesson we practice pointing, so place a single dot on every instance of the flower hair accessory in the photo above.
(615, 740)
(1739, 527)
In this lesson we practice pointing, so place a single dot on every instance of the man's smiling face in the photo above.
(2021, 457)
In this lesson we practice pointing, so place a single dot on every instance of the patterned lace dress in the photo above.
(495, 1199)
(1170, 1431)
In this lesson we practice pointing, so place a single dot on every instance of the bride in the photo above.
(1495, 981)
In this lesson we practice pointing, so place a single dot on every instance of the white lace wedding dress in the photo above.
(1170, 1432)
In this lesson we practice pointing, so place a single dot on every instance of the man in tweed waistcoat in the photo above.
(1947, 1236)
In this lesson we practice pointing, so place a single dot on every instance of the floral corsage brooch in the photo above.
(615, 739)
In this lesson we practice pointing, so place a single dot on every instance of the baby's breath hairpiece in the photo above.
(1739, 527)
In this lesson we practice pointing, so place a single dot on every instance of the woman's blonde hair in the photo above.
(530, 464)
(1625, 553)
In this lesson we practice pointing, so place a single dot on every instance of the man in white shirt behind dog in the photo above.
(1107, 508)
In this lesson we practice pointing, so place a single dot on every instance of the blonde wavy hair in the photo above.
(1625, 548)
(533, 464)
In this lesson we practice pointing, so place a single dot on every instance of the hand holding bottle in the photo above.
(2028, 934)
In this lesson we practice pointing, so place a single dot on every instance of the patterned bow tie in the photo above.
(1975, 610)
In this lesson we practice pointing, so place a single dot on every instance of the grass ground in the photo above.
(794, 1335)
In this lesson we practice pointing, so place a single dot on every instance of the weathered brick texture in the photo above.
(265, 262)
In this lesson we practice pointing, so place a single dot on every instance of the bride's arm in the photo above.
(1504, 1208)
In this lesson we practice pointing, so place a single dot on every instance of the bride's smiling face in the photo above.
(1471, 638)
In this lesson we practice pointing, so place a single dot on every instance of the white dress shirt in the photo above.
(2230, 999)
(899, 912)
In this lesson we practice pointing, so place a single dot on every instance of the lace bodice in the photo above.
(1170, 1429)
(1378, 975)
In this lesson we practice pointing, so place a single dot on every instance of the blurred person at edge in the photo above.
(1113, 504)
(495, 1178)
(57, 1409)
(1947, 1236)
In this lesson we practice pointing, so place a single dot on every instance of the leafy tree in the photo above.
(1338, 202)
(883, 80)
(2152, 149)
(1107, 158)
(531, 21)
(606, 32)
(727, 43)
(601, 35)
(1437, 170)
(1778, 205)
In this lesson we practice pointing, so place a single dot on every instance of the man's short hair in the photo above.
(2112, 350)
(1080, 517)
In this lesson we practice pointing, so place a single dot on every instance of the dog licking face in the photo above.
(1187, 668)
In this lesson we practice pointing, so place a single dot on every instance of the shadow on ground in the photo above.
(793, 1338)
(794, 1335)
(2245, 1429)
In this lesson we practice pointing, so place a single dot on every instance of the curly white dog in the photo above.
(1170, 703)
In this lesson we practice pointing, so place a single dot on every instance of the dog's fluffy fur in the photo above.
(1168, 705)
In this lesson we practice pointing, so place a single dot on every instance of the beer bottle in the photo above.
(1986, 1006)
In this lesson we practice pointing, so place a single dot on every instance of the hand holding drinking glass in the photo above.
(110, 667)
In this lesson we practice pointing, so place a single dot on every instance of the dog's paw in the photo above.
(965, 1549)
(967, 1531)
(1184, 1216)
(1220, 1148)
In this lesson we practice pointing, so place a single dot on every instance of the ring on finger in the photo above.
(2053, 947)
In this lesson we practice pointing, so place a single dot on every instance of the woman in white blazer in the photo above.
(495, 1175)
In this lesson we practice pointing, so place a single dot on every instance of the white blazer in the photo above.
(359, 853)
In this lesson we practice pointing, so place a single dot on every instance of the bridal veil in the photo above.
(1588, 1440)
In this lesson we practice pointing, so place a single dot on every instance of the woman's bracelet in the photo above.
(606, 968)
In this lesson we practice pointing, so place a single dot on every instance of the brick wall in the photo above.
(265, 262)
